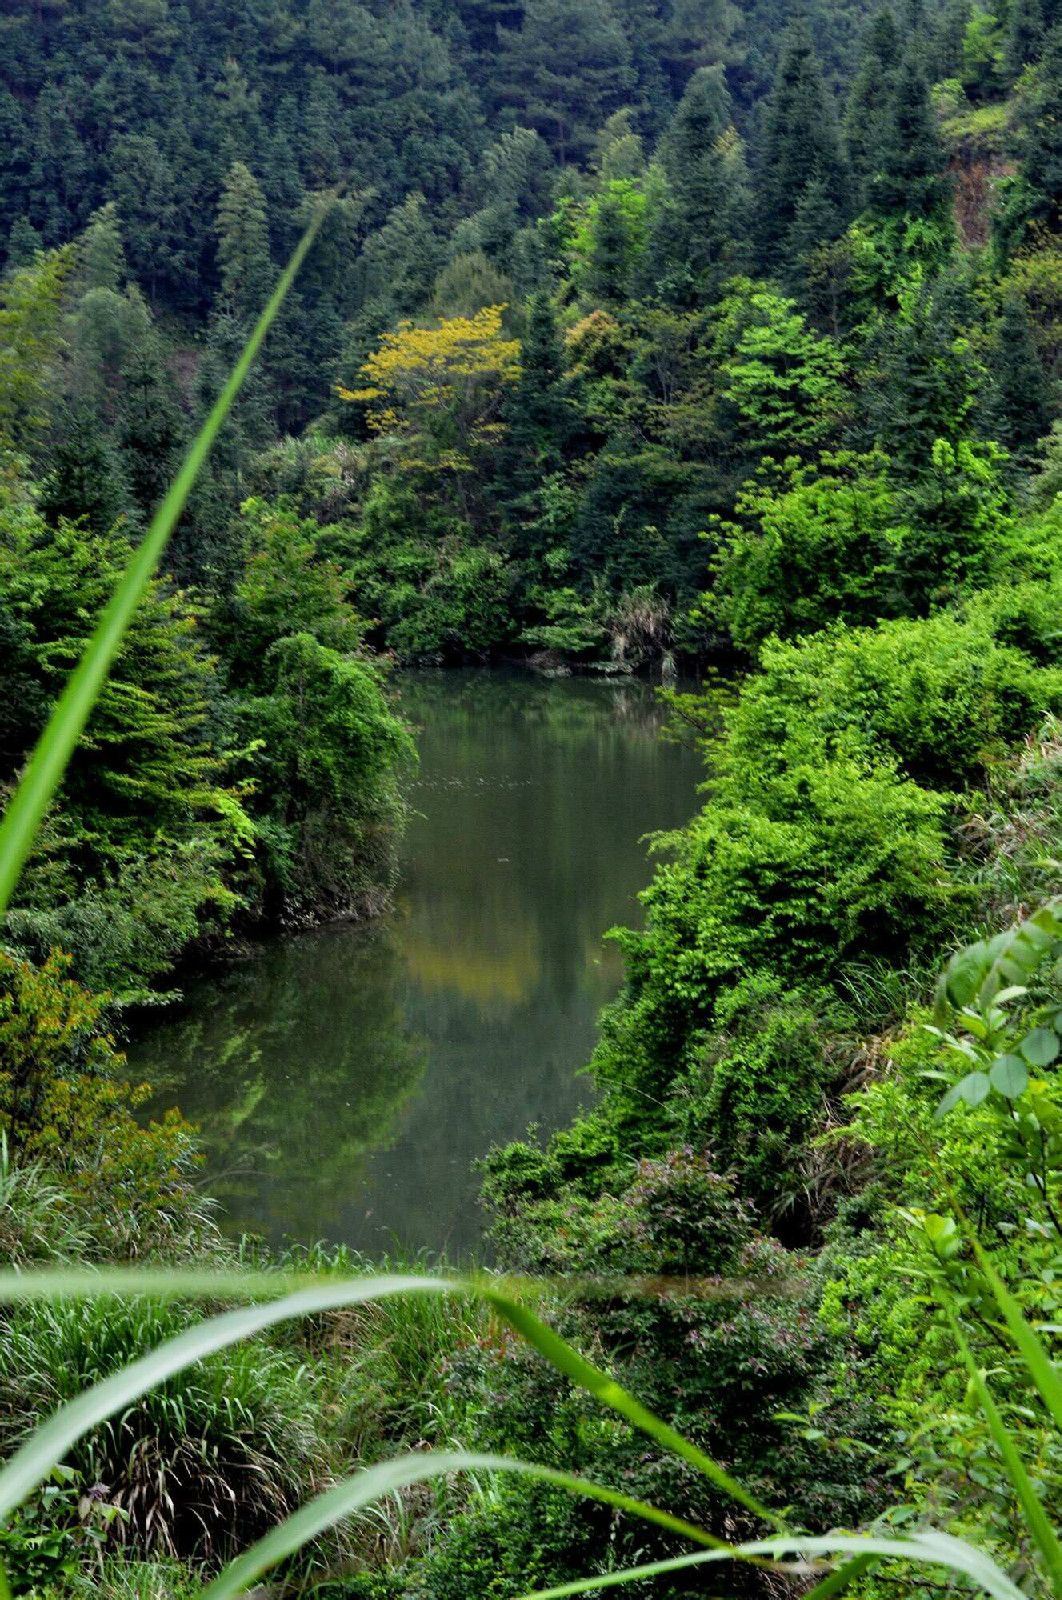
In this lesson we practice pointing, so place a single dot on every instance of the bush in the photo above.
(200, 1466)
(759, 1087)
(812, 545)
(66, 1106)
(944, 698)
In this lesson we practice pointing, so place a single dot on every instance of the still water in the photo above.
(346, 1080)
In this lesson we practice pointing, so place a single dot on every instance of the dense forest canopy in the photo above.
(640, 336)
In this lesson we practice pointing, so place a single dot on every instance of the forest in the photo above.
(714, 340)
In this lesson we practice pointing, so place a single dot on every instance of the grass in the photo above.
(70, 1316)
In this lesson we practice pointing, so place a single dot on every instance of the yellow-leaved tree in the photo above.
(440, 389)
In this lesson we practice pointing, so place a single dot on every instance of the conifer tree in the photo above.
(800, 147)
(103, 264)
(613, 247)
(1019, 409)
(911, 179)
(566, 70)
(1025, 36)
(1042, 156)
(705, 164)
(23, 244)
(243, 243)
(539, 418)
(869, 101)
(950, 32)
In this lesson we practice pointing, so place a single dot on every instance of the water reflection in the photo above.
(347, 1079)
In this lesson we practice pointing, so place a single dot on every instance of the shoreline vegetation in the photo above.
(667, 334)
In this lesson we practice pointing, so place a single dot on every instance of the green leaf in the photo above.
(927, 1549)
(1035, 1516)
(1010, 1076)
(44, 771)
(1038, 1363)
(1040, 1047)
(364, 1487)
(974, 1088)
(948, 1102)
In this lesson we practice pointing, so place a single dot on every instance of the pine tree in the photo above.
(869, 101)
(23, 244)
(800, 147)
(950, 33)
(922, 379)
(911, 179)
(103, 264)
(150, 428)
(617, 237)
(705, 165)
(537, 411)
(85, 481)
(1042, 155)
(565, 71)
(243, 243)
(1019, 409)
(1025, 36)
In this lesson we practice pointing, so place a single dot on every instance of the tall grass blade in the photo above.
(840, 1580)
(46, 766)
(1036, 1519)
(1038, 1363)
(927, 1549)
(372, 1484)
(50, 1443)
(611, 1394)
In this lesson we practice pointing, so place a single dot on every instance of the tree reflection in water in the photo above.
(347, 1079)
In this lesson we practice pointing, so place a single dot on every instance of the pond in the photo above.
(346, 1080)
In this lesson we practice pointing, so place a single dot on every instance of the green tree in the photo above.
(102, 255)
(784, 380)
(565, 70)
(870, 99)
(705, 165)
(1038, 201)
(800, 147)
(812, 545)
(1025, 36)
(538, 410)
(243, 243)
(1020, 404)
(911, 180)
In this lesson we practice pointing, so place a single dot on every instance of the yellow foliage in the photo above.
(443, 384)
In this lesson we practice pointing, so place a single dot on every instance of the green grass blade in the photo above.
(49, 1444)
(1036, 1520)
(365, 1487)
(927, 1549)
(611, 1394)
(46, 766)
(158, 1283)
(1040, 1367)
(840, 1580)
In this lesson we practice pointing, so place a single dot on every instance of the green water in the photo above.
(345, 1080)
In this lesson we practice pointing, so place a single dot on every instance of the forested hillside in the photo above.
(639, 337)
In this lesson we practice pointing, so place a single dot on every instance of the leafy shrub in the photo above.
(811, 545)
(942, 697)
(759, 1086)
(66, 1106)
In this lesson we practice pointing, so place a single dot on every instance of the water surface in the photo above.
(347, 1079)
